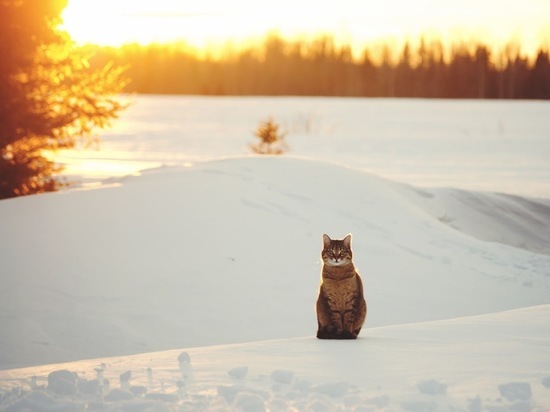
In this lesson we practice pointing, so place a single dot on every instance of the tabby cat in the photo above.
(341, 306)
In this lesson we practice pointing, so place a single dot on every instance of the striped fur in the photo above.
(341, 306)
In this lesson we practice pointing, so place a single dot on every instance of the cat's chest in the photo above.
(340, 293)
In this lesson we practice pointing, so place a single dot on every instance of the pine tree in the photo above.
(271, 139)
(49, 97)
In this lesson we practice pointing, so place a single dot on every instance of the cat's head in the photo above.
(336, 252)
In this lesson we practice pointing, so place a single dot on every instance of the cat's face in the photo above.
(336, 252)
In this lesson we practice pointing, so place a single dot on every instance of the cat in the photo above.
(341, 305)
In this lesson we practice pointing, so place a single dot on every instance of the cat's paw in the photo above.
(325, 333)
(348, 335)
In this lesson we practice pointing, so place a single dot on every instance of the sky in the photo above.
(212, 23)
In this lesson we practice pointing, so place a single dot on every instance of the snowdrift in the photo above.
(228, 251)
(496, 217)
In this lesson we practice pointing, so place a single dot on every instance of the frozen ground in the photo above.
(226, 253)
(192, 286)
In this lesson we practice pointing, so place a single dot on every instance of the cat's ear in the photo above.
(326, 240)
(347, 241)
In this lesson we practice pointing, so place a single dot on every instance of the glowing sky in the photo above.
(213, 22)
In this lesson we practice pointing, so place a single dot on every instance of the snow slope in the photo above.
(496, 217)
(227, 251)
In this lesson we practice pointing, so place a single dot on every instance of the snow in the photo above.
(497, 146)
(495, 361)
(192, 287)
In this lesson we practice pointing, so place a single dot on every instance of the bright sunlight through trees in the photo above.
(50, 99)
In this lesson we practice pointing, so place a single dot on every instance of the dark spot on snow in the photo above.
(282, 376)
(516, 391)
(238, 373)
(126, 376)
(138, 390)
(184, 357)
(333, 389)
(118, 395)
(446, 219)
(62, 382)
(424, 194)
(432, 387)
(36, 342)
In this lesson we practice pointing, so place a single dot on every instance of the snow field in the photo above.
(484, 145)
(228, 251)
(220, 262)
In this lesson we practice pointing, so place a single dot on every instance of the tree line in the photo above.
(320, 67)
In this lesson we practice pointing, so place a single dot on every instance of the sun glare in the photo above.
(114, 23)
(214, 23)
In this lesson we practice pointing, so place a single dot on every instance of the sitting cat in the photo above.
(341, 306)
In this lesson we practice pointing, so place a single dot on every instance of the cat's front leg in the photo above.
(348, 319)
(326, 332)
(325, 329)
(337, 321)
(361, 314)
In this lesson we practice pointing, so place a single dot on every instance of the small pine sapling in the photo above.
(272, 141)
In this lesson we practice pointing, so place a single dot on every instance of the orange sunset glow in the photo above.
(213, 24)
